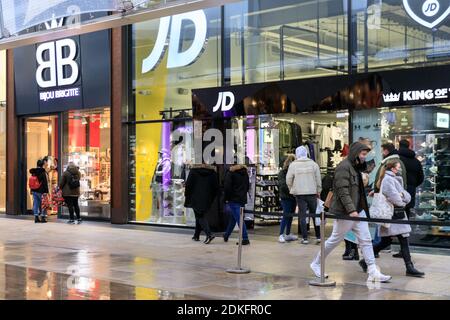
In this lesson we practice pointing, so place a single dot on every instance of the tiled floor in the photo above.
(97, 261)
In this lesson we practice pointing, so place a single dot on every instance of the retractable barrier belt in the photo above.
(391, 221)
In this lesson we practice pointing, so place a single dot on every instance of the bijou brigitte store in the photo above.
(256, 66)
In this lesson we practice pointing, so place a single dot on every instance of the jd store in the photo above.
(62, 103)
(286, 67)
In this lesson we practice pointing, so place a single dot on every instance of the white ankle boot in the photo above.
(376, 276)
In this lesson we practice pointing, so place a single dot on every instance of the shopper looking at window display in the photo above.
(38, 189)
(305, 183)
(288, 203)
(70, 186)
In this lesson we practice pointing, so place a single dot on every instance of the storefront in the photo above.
(313, 70)
(62, 102)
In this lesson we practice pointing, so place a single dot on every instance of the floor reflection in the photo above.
(19, 283)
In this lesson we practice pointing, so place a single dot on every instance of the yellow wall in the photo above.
(148, 136)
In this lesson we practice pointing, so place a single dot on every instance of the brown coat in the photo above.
(64, 182)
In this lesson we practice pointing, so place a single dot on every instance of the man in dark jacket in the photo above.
(414, 172)
(38, 193)
(70, 186)
(349, 200)
(201, 189)
(236, 187)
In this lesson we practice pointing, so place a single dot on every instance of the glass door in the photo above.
(41, 141)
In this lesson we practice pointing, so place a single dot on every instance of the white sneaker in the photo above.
(281, 239)
(315, 267)
(304, 241)
(376, 276)
(291, 237)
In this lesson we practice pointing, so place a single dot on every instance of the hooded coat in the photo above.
(393, 156)
(201, 188)
(236, 185)
(64, 182)
(348, 189)
(394, 192)
(414, 170)
(42, 178)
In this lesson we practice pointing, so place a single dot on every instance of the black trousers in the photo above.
(72, 204)
(404, 247)
(201, 224)
(305, 203)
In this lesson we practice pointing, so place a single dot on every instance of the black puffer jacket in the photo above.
(202, 186)
(236, 184)
(414, 170)
(282, 186)
(348, 190)
(42, 177)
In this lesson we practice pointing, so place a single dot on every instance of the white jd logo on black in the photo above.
(222, 104)
(56, 63)
(429, 13)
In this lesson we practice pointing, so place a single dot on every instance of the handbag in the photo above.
(381, 208)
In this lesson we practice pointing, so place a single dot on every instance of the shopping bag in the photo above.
(381, 208)
(57, 198)
(46, 203)
(319, 210)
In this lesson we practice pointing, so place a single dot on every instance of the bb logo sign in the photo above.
(429, 13)
(225, 102)
(57, 57)
(176, 58)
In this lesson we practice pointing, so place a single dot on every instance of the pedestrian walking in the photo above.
(349, 200)
(288, 203)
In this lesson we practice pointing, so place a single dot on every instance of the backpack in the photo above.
(33, 183)
(74, 182)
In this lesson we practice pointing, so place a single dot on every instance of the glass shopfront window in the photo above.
(389, 37)
(426, 128)
(86, 142)
(288, 39)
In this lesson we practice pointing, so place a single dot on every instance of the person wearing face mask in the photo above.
(389, 153)
(349, 199)
(391, 185)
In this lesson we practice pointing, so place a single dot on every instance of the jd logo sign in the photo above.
(222, 104)
(429, 13)
(176, 58)
(56, 57)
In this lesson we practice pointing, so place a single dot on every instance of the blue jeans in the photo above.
(235, 215)
(288, 206)
(37, 202)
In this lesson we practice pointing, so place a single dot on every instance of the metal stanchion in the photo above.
(239, 269)
(323, 281)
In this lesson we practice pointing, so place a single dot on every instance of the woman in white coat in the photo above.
(391, 184)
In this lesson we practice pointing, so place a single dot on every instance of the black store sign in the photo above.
(67, 74)
(399, 88)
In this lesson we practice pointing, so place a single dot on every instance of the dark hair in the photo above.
(45, 159)
(388, 146)
(404, 143)
(40, 163)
